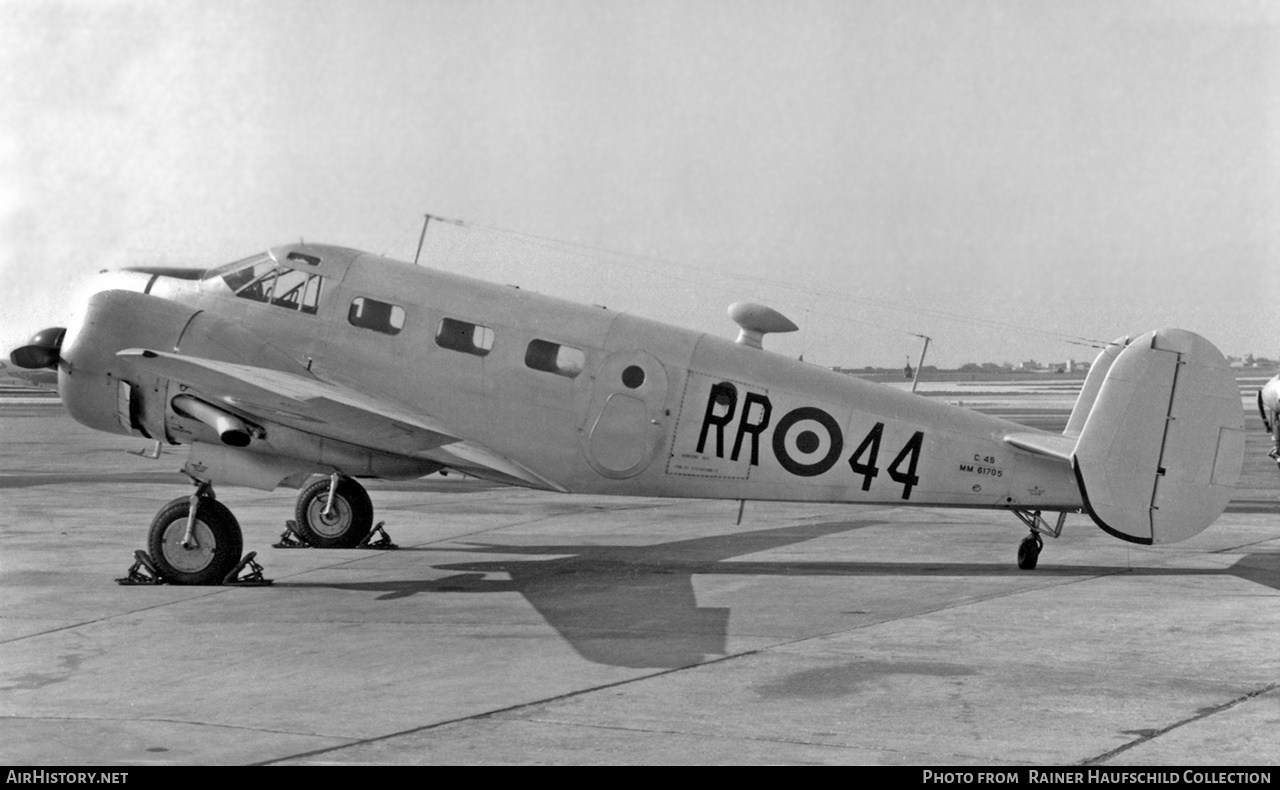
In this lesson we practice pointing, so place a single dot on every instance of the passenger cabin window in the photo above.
(264, 281)
(379, 316)
(466, 337)
(554, 358)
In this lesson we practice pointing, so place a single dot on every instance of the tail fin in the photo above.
(1162, 444)
(1092, 385)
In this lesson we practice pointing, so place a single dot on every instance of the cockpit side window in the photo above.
(256, 282)
(290, 287)
(263, 281)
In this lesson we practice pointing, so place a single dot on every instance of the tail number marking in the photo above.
(807, 441)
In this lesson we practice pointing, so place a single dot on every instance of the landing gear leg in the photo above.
(334, 513)
(195, 539)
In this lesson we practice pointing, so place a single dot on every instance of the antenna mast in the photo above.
(426, 218)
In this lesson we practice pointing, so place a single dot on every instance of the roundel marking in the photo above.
(807, 441)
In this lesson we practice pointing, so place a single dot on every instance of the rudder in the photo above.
(1162, 447)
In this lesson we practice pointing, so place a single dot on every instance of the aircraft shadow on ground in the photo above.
(635, 606)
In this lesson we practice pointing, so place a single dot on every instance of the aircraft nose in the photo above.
(43, 350)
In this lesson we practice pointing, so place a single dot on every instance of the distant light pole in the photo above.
(920, 365)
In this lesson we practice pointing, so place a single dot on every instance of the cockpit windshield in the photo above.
(262, 279)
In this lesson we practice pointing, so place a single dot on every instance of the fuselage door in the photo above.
(626, 422)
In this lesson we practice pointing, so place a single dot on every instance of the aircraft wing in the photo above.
(302, 402)
(308, 404)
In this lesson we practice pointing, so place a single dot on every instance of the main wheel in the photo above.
(217, 542)
(348, 521)
(1029, 552)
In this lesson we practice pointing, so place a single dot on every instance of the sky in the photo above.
(1007, 177)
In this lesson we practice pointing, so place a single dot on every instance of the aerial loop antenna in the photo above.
(1075, 340)
(426, 220)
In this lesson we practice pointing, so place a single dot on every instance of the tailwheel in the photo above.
(334, 513)
(1029, 551)
(202, 550)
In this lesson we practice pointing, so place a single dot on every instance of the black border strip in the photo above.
(1075, 467)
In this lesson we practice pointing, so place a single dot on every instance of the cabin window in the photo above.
(463, 336)
(379, 316)
(554, 358)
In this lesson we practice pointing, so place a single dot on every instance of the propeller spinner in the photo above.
(43, 350)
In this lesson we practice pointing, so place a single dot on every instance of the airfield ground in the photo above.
(522, 627)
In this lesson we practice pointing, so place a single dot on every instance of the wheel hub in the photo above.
(333, 524)
(189, 558)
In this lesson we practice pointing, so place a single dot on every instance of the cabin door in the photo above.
(625, 423)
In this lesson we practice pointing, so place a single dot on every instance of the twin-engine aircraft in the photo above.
(312, 360)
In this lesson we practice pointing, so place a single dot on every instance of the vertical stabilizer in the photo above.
(1162, 446)
(1092, 385)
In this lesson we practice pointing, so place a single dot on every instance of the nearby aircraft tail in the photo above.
(1159, 430)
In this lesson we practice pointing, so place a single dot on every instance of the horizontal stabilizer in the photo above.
(1163, 444)
(1049, 445)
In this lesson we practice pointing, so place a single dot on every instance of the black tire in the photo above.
(217, 534)
(349, 521)
(1029, 553)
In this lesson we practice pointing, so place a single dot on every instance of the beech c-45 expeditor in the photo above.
(314, 366)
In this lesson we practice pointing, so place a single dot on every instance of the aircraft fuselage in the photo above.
(586, 399)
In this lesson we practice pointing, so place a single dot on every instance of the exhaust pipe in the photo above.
(231, 430)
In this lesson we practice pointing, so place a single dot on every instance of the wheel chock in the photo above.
(383, 543)
(253, 578)
(143, 571)
(291, 538)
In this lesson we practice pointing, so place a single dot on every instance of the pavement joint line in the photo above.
(338, 564)
(507, 709)
(616, 684)
(1203, 714)
(693, 734)
(155, 720)
(1243, 546)
(115, 616)
(220, 589)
